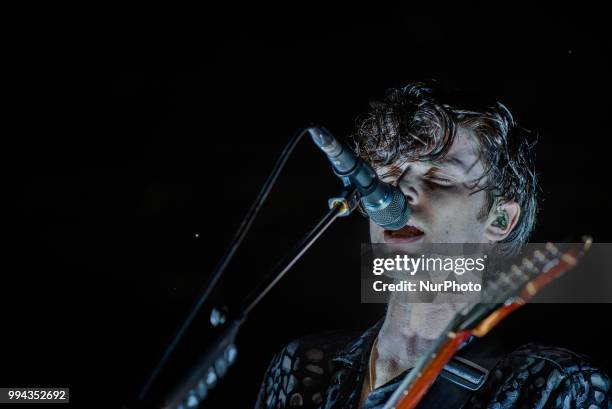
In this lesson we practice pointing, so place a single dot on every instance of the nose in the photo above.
(411, 193)
(407, 184)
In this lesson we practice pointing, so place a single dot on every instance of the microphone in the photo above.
(385, 204)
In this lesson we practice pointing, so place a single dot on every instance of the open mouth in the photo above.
(406, 234)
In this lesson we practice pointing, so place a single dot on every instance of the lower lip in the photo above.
(389, 238)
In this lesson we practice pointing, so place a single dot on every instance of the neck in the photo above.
(408, 331)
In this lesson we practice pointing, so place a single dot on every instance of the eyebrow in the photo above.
(453, 161)
(393, 170)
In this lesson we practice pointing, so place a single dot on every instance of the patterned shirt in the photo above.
(326, 371)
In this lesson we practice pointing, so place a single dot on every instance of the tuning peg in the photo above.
(538, 255)
(517, 272)
(552, 249)
(505, 280)
(529, 266)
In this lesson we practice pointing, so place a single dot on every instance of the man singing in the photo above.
(466, 169)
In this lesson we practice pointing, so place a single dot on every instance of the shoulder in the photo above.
(299, 372)
(546, 376)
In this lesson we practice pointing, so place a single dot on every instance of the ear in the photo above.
(502, 220)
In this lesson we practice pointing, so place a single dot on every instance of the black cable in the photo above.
(220, 268)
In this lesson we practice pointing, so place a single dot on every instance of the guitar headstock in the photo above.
(507, 292)
(535, 270)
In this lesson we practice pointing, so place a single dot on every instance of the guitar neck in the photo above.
(479, 319)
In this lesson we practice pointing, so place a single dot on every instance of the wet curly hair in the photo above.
(419, 123)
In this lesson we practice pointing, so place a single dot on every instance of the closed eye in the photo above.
(440, 181)
(434, 175)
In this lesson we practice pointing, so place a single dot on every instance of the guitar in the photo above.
(509, 291)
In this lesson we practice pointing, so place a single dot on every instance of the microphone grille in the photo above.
(394, 214)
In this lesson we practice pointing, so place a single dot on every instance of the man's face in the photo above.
(443, 210)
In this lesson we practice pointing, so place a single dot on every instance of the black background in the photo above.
(128, 132)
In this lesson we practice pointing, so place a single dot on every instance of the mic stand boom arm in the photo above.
(221, 354)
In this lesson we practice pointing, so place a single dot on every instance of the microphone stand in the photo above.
(217, 358)
(213, 279)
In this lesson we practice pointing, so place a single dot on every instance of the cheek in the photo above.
(459, 220)
(472, 226)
